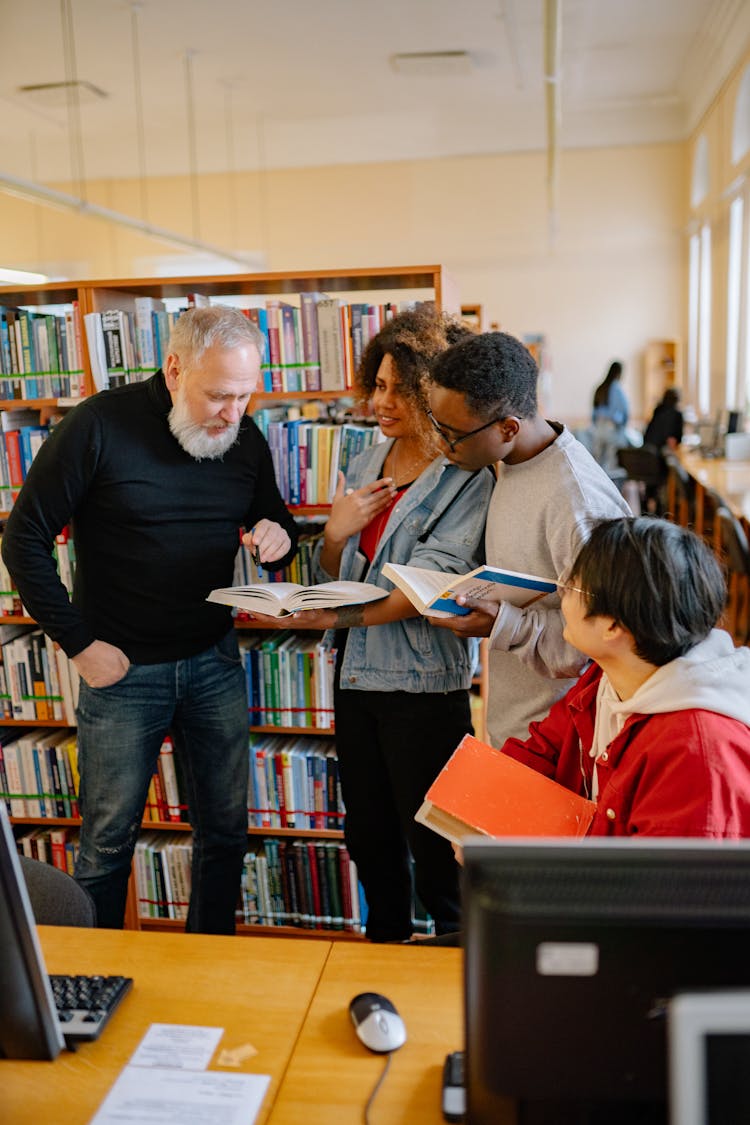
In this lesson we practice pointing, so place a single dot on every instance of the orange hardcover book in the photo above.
(481, 792)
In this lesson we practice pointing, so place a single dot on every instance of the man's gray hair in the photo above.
(216, 326)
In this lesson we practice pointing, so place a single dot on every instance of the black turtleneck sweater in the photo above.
(155, 530)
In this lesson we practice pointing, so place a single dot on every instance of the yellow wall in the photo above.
(612, 278)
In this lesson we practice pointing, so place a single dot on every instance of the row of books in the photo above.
(315, 345)
(56, 846)
(126, 347)
(318, 344)
(308, 456)
(39, 773)
(289, 679)
(310, 884)
(41, 354)
(37, 680)
(19, 445)
(293, 783)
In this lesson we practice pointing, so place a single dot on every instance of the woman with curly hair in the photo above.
(402, 689)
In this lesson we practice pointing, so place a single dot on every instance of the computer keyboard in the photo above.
(84, 1004)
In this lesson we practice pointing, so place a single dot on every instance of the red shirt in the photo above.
(370, 535)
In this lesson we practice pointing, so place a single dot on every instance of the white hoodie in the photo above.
(713, 676)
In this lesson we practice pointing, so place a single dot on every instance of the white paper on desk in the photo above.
(182, 1097)
(177, 1046)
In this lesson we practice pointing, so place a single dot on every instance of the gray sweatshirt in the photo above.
(540, 514)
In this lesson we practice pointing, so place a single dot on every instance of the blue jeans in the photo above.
(203, 702)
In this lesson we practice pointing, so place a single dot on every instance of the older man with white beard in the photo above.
(158, 480)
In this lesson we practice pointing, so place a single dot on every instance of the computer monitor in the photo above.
(709, 1058)
(29, 1028)
(572, 951)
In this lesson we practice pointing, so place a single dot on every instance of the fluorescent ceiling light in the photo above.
(436, 64)
(21, 277)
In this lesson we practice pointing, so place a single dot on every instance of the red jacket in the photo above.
(677, 773)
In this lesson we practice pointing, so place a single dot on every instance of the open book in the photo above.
(433, 592)
(279, 599)
(482, 792)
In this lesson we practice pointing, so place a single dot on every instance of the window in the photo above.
(734, 299)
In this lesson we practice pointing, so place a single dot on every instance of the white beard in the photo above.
(196, 439)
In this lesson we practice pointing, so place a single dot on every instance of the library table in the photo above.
(258, 989)
(730, 479)
(332, 1074)
(288, 997)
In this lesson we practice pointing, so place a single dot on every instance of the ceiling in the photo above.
(215, 85)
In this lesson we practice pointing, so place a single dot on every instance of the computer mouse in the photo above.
(377, 1023)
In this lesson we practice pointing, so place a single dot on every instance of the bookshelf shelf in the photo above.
(181, 826)
(52, 723)
(172, 925)
(314, 732)
(33, 403)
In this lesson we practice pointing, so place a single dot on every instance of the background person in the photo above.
(157, 478)
(657, 730)
(402, 691)
(609, 418)
(549, 491)
(664, 430)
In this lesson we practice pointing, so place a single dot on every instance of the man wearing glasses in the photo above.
(549, 493)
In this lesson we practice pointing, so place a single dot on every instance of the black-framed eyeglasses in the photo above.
(453, 442)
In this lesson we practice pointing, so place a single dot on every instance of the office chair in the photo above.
(646, 466)
(56, 898)
(736, 554)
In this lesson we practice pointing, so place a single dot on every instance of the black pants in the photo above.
(391, 746)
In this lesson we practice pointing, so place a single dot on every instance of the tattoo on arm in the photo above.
(349, 616)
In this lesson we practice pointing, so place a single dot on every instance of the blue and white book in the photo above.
(434, 592)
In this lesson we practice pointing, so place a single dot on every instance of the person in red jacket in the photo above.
(657, 729)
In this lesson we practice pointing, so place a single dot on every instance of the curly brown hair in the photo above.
(413, 339)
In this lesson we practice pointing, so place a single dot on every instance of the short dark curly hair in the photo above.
(413, 339)
(658, 580)
(494, 372)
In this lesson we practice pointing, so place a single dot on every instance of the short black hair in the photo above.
(494, 372)
(661, 582)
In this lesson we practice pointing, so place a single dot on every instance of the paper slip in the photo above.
(177, 1046)
(188, 1097)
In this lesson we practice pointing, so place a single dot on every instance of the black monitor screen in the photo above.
(28, 1021)
(573, 949)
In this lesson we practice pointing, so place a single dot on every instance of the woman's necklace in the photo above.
(406, 474)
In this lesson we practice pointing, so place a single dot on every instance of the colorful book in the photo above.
(434, 592)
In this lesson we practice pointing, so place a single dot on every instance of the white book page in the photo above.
(426, 584)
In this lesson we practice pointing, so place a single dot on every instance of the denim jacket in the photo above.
(411, 655)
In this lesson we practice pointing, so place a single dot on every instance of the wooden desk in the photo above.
(331, 1074)
(289, 998)
(731, 479)
(258, 989)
